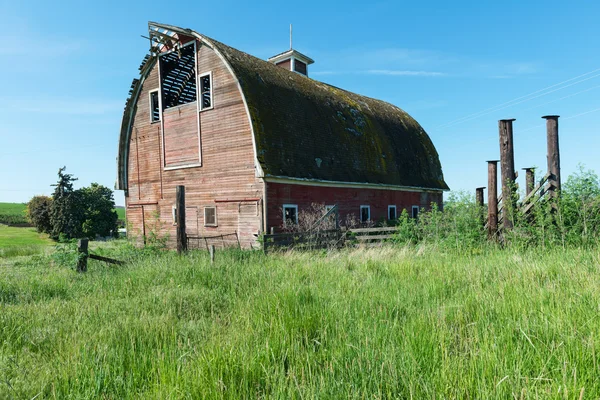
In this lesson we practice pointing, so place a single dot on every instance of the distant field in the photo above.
(21, 241)
(14, 213)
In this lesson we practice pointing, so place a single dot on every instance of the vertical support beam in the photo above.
(553, 151)
(492, 198)
(507, 169)
(180, 213)
(212, 253)
(479, 202)
(82, 252)
(529, 180)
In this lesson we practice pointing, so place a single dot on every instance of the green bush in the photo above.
(38, 213)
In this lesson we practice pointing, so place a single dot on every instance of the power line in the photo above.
(509, 103)
(562, 119)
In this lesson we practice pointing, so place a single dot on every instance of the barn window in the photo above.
(415, 211)
(392, 213)
(178, 76)
(154, 106)
(210, 216)
(206, 91)
(365, 213)
(290, 214)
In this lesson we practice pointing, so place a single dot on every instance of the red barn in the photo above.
(255, 140)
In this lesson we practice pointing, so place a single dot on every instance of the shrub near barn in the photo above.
(70, 213)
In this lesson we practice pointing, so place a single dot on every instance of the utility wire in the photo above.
(562, 119)
(492, 109)
(514, 103)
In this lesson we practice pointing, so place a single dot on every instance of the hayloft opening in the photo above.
(178, 76)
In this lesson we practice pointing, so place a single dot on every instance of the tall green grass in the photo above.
(412, 322)
(21, 241)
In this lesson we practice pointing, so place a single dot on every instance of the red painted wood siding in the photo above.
(227, 170)
(349, 200)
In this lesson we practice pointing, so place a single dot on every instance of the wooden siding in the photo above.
(285, 64)
(227, 171)
(181, 135)
(348, 200)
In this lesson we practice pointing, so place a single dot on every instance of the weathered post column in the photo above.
(492, 198)
(180, 216)
(553, 151)
(529, 180)
(507, 169)
(479, 202)
(82, 250)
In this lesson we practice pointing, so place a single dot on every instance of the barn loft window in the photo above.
(392, 213)
(415, 211)
(206, 91)
(290, 214)
(210, 216)
(178, 76)
(154, 106)
(365, 213)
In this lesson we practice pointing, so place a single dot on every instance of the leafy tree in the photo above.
(100, 215)
(66, 216)
(38, 213)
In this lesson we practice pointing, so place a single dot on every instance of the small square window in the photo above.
(365, 213)
(210, 216)
(415, 211)
(206, 99)
(290, 214)
(392, 213)
(154, 106)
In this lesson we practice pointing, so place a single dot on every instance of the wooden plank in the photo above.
(373, 230)
(374, 237)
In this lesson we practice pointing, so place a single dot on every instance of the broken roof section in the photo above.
(307, 130)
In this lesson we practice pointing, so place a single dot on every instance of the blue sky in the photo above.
(454, 66)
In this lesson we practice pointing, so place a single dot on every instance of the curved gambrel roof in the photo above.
(307, 130)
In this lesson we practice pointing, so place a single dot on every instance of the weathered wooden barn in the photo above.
(254, 142)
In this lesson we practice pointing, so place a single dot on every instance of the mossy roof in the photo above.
(307, 129)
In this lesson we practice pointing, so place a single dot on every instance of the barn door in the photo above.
(249, 218)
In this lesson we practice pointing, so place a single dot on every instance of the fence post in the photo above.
(479, 202)
(82, 250)
(507, 169)
(212, 253)
(180, 213)
(492, 198)
(553, 152)
(529, 180)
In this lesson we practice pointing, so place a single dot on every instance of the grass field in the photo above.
(384, 323)
(12, 213)
(21, 241)
(15, 213)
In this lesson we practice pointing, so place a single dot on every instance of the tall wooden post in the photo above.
(507, 169)
(529, 180)
(479, 202)
(82, 250)
(180, 216)
(492, 198)
(553, 151)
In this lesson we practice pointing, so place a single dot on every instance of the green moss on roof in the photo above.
(310, 130)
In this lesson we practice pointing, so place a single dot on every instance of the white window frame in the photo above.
(289, 206)
(157, 91)
(174, 214)
(369, 213)
(216, 220)
(199, 94)
(390, 207)
(412, 211)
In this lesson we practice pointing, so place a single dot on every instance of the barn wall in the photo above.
(226, 178)
(348, 200)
